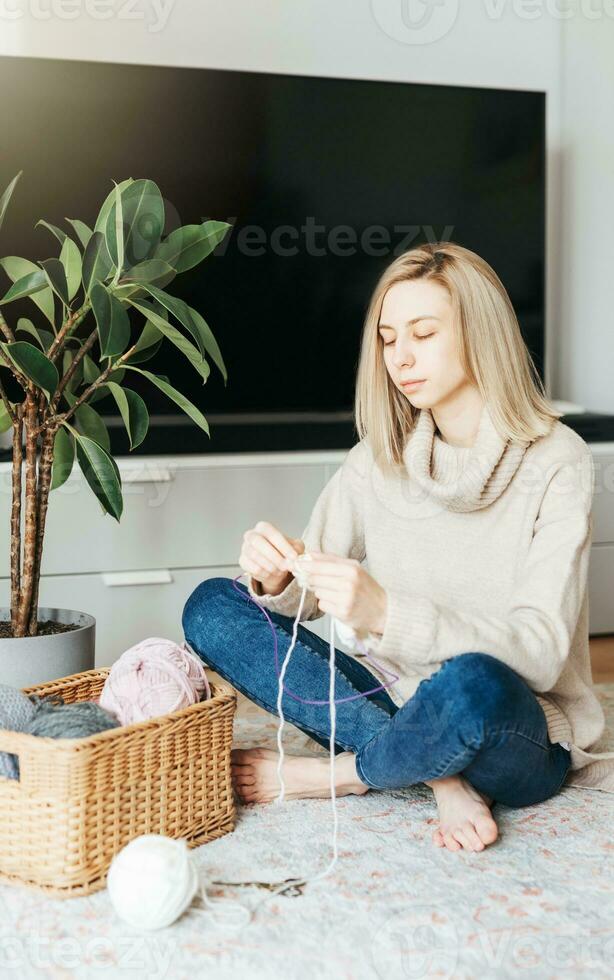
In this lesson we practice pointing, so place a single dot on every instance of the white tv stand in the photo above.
(183, 521)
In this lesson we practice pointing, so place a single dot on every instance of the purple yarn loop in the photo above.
(297, 697)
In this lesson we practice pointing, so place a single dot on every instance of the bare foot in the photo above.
(465, 820)
(254, 774)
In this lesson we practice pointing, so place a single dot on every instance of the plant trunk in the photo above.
(16, 514)
(44, 485)
(21, 622)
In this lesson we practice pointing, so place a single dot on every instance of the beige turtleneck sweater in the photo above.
(484, 548)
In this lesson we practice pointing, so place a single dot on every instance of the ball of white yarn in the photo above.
(152, 881)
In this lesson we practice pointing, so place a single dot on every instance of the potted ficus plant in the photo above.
(106, 310)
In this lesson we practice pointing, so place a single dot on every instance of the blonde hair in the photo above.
(491, 348)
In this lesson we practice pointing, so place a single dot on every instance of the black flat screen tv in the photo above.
(323, 180)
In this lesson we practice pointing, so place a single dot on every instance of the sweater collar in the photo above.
(462, 478)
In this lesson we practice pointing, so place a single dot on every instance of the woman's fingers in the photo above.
(264, 555)
(276, 539)
(269, 548)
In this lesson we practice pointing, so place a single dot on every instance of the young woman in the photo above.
(471, 504)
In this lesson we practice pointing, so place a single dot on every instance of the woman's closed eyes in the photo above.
(423, 337)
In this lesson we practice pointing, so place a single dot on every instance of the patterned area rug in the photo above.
(539, 903)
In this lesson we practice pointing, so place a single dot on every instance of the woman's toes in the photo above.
(471, 839)
(240, 756)
(437, 838)
(243, 756)
(486, 829)
(244, 783)
(450, 841)
(245, 790)
(460, 836)
(242, 770)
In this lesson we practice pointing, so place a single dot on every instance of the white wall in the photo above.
(586, 365)
(517, 45)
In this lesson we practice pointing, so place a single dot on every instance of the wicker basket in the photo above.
(79, 801)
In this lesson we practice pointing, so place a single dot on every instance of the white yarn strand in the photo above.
(293, 882)
(153, 908)
(333, 725)
(280, 692)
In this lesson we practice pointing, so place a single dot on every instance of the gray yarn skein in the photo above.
(16, 710)
(53, 719)
(47, 716)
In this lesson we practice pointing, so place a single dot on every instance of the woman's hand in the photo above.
(346, 591)
(266, 555)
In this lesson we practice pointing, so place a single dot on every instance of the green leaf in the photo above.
(192, 321)
(59, 234)
(43, 337)
(107, 204)
(90, 370)
(211, 345)
(147, 351)
(117, 375)
(67, 359)
(91, 425)
(56, 277)
(187, 246)
(176, 337)
(98, 395)
(15, 269)
(97, 263)
(70, 257)
(5, 419)
(115, 241)
(180, 309)
(148, 338)
(150, 271)
(176, 396)
(133, 411)
(6, 196)
(33, 364)
(100, 471)
(102, 392)
(127, 290)
(112, 321)
(84, 233)
(28, 284)
(63, 457)
(143, 222)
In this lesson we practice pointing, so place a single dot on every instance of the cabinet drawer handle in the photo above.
(156, 577)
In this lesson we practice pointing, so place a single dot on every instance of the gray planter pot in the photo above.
(29, 660)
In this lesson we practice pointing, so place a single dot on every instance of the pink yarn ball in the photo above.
(154, 677)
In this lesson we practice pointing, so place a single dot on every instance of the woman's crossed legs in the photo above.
(473, 731)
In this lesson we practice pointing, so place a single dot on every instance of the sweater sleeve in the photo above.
(335, 527)
(535, 635)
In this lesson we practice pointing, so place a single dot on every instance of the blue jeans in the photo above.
(474, 715)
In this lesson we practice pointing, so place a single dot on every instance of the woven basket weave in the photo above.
(79, 801)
